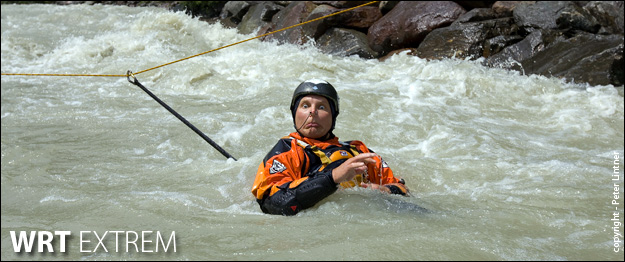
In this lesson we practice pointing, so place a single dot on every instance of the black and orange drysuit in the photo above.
(297, 173)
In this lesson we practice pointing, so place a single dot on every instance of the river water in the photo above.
(509, 166)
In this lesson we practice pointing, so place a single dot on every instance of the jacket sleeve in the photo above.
(282, 186)
(290, 200)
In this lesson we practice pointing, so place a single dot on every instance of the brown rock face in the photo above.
(409, 22)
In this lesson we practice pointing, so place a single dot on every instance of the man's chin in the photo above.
(314, 134)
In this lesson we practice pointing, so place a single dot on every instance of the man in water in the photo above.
(310, 164)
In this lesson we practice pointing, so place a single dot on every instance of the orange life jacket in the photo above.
(295, 156)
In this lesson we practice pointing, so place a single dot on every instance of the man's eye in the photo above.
(322, 108)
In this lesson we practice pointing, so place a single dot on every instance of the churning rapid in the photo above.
(509, 166)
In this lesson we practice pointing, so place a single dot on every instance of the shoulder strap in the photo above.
(351, 147)
(283, 145)
(325, 160)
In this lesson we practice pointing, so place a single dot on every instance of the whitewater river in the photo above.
(509, 166)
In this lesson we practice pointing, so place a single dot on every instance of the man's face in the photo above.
(313, 116)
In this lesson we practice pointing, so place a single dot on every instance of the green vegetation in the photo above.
(203, 8)
(28, 2)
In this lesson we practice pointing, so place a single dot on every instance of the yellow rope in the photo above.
(23, 74)
(143, 71)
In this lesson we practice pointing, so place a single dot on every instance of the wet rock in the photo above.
(511, 57)
(295, 13)
(341, 4)
(387, 6)
(258, 16)
(609, 14)
(235, 10)
(345, 42)
(409, 23)
(317, 28)
(498, 43)
(359, 19)
(463, 40)
(585, 58)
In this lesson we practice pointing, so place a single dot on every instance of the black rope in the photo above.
(197, 131)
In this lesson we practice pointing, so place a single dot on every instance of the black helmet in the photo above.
(317, 87)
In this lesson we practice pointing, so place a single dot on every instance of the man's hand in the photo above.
(352, 167)
(393, 188)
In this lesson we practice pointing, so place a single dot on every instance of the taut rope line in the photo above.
(219, 48)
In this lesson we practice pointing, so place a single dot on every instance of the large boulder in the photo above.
(609, 14)
(586, 58)
(408, 23)
(345, 42)
(512, 56)
(296, 12)
(468, 36)
(258, 16)
(234, 9)
(359, 19)
(555, 15)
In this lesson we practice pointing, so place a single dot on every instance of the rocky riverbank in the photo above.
(580, 41)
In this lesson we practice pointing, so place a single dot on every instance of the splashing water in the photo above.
(510, 167)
